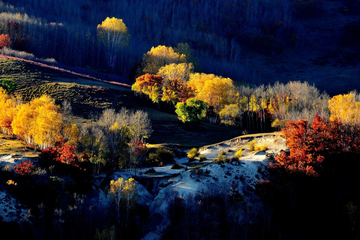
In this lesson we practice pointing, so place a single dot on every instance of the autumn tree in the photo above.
(214, 90)
(14, 30)
(71, 133)
(345, 108)
(5, 41)
(113, 34)
(229, 114)
(193, 110)
(38, 122)
(310, 144)
(176, 90)
(160, 56)
(93, 143)
(179, 71)
(7, 111)
(122, 193)
(150, 85)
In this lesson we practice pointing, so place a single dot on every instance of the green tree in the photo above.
(192, 110)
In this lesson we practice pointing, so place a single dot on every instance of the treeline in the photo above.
(112, 141)
(169, 78)
(218, 31)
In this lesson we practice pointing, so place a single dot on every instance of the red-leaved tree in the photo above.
(5, 40)
(310, 144)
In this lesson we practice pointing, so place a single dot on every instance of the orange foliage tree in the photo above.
(310, 144)
(5, 40)
(150, 85)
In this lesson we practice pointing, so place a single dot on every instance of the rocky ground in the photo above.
(157, 190)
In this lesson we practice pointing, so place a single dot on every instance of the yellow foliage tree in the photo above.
(179, 71)
(160, 56)
(71, 133)
(229, 114)
(23, 123)
(113, 34)
(216, 91)
(122, 190)
(7, 111)
(345, 108)
(38, 122)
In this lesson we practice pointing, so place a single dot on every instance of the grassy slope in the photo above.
(12, 146)
(89, 98)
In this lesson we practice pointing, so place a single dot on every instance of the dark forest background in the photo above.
(220, 32)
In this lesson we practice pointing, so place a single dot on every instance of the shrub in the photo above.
(221, 157)
(11, 182)
(24, 168)
(8, 84)
(263, 147)
(160, 157)
(165, 155)
(152, 159)
(192, 153)
(252, 145)
(239, 153)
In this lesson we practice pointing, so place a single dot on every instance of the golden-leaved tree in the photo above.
(7, 111)
(160, 56)
(180, 71)
(345, 108)
(214, 90)
(38, 122)
(123, 192)
(113, 34)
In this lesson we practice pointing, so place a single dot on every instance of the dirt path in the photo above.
(65, 71)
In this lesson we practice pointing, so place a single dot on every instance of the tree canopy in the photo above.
(113, 34)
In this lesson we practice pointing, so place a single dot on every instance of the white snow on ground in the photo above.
(6, 160)
(10, 208)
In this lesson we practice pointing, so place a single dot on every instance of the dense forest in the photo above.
(197, 69)
(220, 32)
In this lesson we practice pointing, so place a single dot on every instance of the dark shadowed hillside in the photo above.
(255, 42)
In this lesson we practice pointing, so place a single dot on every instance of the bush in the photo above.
(160, 157)
(8, 84)
(263, 147)
(165, 156)
(252, 145)
(24, 168)
(221, 157)
(239, 153)
(192, 153)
